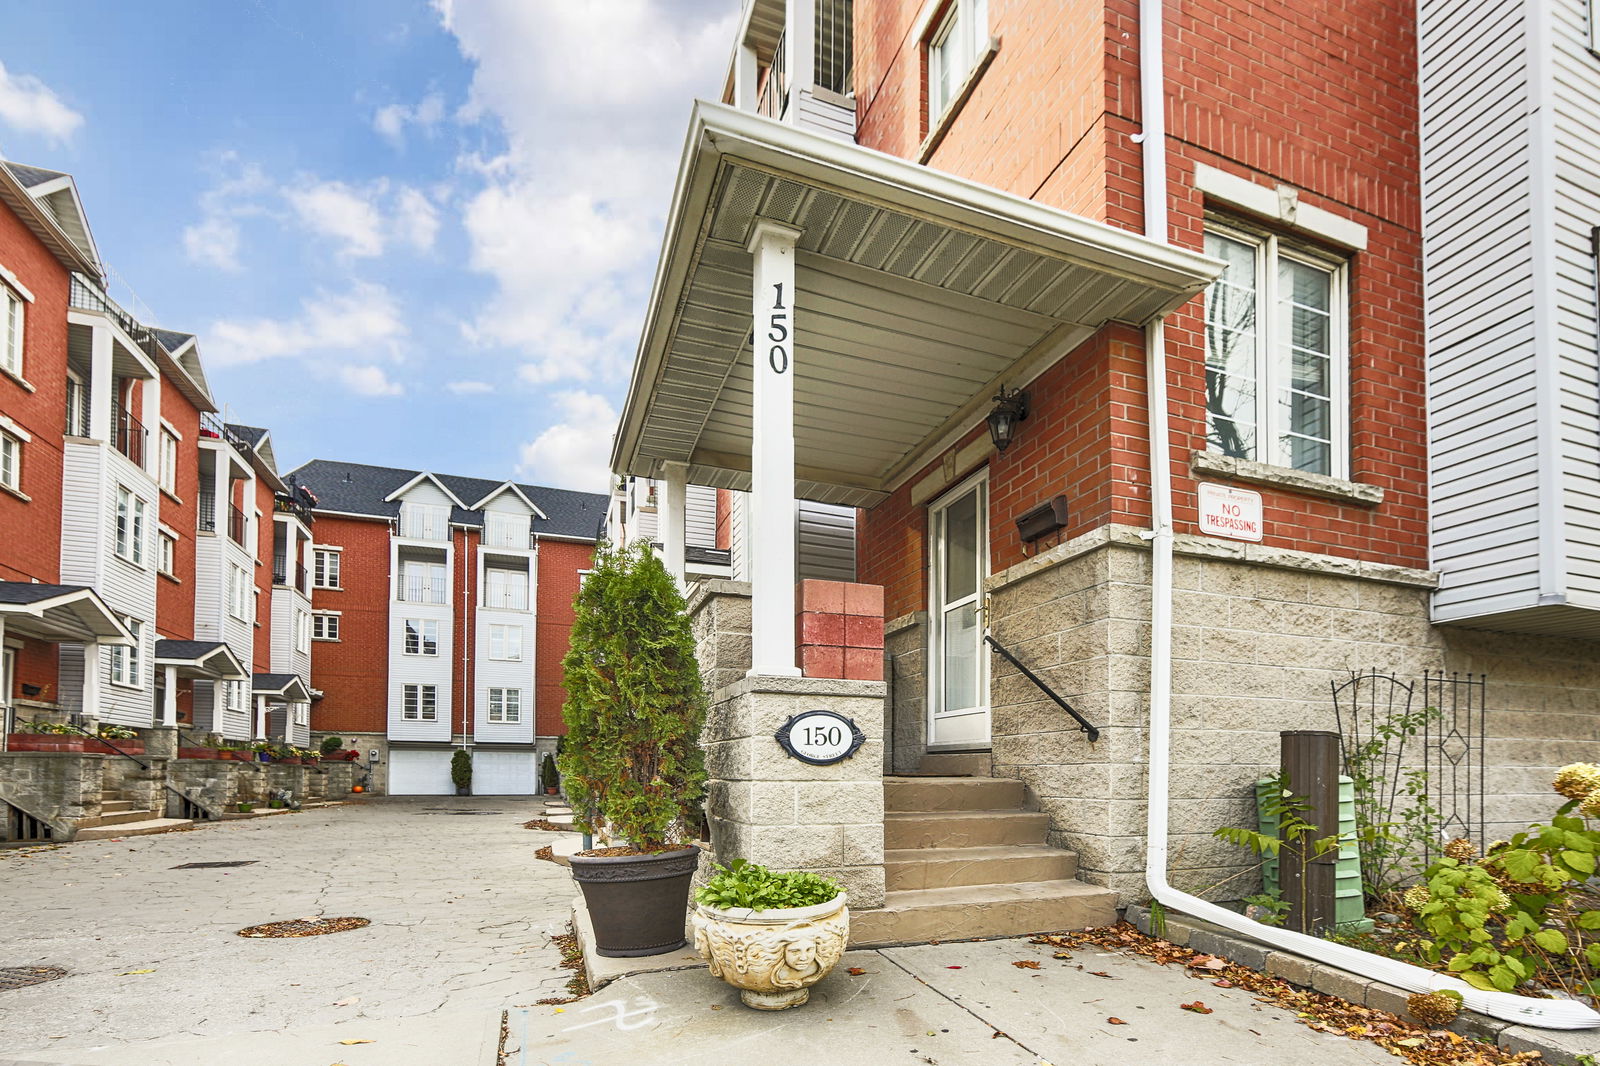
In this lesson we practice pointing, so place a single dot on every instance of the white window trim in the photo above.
(500, 707)
(5, 331)
(422, 625)
(127, 543)
(936, 564)
(1281, 204)
(1270, 247)
(163, 540)
(338, 566)
(128, 660)
(164, 437)
(14, 483)
(501, 629)
(238, 581)
(407, 714)
(324, 617)
(11, 279)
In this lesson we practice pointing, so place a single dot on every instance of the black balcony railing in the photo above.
(835, 46)
(236, 525)
(131, 437)
(774, 98)
(208, 512)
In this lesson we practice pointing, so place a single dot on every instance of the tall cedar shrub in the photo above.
(632, 763)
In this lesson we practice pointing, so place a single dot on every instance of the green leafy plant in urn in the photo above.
(631, 764)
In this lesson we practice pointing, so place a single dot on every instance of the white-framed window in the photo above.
(325, 625)
(302, 632)
(130, 531)
(10, 331)
(953, 51)
(302, 714)
(233, 695)
(1277, 361)
(77, 406)
(505, 705)
(10, 462)
(169, 462)
(238, 599)
(507, 530)
(505, 643)
(166, 551)
(420, 703)
(506, 590)
(324, 568)
(422, 582)
(422, 636)
(425, 521)
(127, 663)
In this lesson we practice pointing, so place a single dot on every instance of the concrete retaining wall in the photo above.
(60, 789)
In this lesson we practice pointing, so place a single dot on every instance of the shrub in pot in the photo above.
(770, 935)
(548, 777)
(631, 763)
(330, 745)
(461, 771)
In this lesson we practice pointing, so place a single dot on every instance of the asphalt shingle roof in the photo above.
(171, 339)
(272, 682)
(356, 488)
(28, 592)
(185, 649)
(31, 176)
(251, 434)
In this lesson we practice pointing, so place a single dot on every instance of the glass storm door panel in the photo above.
(958, 691)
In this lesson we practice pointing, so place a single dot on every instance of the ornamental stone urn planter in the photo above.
(773, 957)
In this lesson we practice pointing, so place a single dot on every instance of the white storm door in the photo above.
(958, 689)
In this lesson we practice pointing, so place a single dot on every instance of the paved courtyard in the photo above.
(461, 917)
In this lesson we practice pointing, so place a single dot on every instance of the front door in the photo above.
(8, 674)
(958, 682)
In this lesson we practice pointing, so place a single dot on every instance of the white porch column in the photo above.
(744, 79)
(675, 490)
(222, 498)
(101, 398)
(261, 718)
(150, 415)
(169, 697)
(91, 679)
(772, 549)
(800, 34)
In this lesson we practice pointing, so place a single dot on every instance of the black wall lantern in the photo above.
(1009, 409)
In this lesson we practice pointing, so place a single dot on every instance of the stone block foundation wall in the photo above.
(768, 807)
(1260, 636)
(61, 790)
(905, 663)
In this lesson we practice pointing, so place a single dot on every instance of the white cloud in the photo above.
(415, 220)
(215, 240)
(391, 120)
(593, 100)
(361, 220)
(29, 105)
(335, 335)
(575, 453)
(469, 388)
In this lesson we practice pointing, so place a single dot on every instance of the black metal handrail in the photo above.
(1092, 732)
(236, 525)
(131, 437)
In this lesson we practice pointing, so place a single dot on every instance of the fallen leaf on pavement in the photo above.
(1196, 1006)
(1026, 964)
(1062, 955)
(130, 973)
(347, 1002)
(1224, 983)
(855, 971)
(355, 1041)
(1101, 973)
(1116, 1021)
(716, 1006)
(952, 967)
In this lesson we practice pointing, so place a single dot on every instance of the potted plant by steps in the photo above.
(632, 765)
(548, 776)
(770, 935)
(461, 771)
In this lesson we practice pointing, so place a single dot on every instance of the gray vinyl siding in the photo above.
(1479, 258)
(1575, 127)
(826, 541)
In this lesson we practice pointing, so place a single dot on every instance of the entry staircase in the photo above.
(119, 818)
(965, 857)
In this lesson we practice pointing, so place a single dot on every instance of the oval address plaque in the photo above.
(820, 737)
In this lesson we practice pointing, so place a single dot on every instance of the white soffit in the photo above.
(919, 293)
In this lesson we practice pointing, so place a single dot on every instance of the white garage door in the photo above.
(420, 773)
(504, 773)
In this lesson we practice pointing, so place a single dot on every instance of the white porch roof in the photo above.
(919, 294)
(59, 614)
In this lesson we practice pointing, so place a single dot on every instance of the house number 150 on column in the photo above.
(778, 334)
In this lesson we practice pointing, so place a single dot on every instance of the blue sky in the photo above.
(407, 233)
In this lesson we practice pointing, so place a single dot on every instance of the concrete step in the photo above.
(962, 913)
(133, 829)
(909, 794)
(963, 829)
(963, 763)
(918, 868)
(123, 817)
(109, 794)
(115, 806)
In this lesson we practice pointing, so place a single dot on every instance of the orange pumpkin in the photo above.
(357, 788)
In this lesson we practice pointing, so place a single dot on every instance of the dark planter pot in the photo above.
(638, 903)
(463, 790)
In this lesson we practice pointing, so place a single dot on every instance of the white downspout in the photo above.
(1543, 1013)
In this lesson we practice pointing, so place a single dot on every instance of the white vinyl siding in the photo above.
(422, 636)
(10, 462)
(505, 705)
(505, 643)
(325, 626)
(325, 568)
(421, 703)
(1276, 365)
(11, 314)
(700, 516)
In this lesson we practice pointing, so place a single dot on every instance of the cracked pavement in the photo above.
(462, 915)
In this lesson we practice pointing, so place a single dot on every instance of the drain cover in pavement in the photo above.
(304, 927)
(23, 976)
(453, 810)
(216, 865)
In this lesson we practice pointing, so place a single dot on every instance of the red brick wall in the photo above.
(465, 612)
(180, 513)
(724, 519)
(559, 563)
(1321, 98)
(353, 672)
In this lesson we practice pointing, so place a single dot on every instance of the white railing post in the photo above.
(675, 486)
(772, 504)
(169, 696)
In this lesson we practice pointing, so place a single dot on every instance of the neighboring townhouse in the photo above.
(441, 612)
(1142, 398)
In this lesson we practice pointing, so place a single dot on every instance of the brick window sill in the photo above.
(1283, 477)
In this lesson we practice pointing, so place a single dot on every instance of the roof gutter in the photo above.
(1542, 1013)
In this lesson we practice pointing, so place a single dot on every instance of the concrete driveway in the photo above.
(461, 918)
